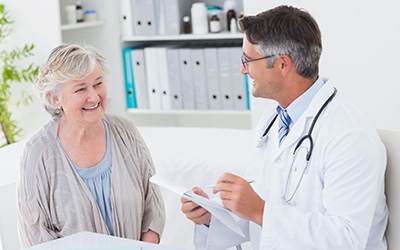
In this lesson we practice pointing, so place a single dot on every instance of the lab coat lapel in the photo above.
(302, 126)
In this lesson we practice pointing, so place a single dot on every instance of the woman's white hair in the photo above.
(67, 62)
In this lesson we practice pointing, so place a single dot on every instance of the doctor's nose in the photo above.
(243, 70)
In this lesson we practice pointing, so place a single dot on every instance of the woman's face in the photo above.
(84, 101)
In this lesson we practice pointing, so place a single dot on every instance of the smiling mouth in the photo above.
(90, 108)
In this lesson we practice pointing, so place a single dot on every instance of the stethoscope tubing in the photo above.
(312, 124)
(299, 143)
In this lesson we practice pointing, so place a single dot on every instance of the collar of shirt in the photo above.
(298, 106)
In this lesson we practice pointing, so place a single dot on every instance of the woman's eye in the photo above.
(80, 90)
(99, 83)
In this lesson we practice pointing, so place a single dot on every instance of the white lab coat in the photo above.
(340, 202)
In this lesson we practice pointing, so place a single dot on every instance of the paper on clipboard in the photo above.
(215, 208)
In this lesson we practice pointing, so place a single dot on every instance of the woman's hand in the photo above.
(150, 236)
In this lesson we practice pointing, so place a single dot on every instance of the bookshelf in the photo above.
(106, 35)
(207, 118)
(83, 25)
(185, 37)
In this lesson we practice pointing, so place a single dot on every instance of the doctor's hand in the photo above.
(238, 196)
(193, 211)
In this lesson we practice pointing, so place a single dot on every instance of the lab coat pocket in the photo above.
(301, 185)
(296, 172)
(308, 195)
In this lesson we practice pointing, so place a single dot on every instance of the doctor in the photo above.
(318, 163)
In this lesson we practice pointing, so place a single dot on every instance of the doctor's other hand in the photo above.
(238, 196)
(193, 211)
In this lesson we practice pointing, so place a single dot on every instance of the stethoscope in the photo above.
(300, 149)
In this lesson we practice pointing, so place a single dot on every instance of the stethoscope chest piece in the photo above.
(264, 136)
(262, 140)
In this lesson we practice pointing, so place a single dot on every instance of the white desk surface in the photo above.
(89, 240)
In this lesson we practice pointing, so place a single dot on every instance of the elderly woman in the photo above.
(85, 170)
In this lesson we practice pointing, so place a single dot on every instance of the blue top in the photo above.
(298, 106)
(98, 181)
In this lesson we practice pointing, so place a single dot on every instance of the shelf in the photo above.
(188, 112)
(81, 25)
(240, 119)
(184, 37)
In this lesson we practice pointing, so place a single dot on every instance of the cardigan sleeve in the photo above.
(33, 214)
(153, 216)
(154, 210)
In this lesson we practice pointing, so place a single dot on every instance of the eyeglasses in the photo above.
(244, 61)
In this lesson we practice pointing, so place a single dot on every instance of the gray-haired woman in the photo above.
(85, 170)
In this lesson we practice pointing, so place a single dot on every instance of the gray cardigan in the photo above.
(54, 202)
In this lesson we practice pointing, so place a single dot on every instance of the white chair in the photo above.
(9, 170)
(392, 142)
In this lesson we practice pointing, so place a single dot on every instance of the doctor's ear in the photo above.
(284, 63)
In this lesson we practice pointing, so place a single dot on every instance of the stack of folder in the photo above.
(185, 78)
(153, 17)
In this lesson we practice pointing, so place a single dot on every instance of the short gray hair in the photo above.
(286, 30)
(66, 62)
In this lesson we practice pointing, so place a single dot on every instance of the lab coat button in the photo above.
(279, 160)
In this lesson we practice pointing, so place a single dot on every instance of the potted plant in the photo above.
(11, 71)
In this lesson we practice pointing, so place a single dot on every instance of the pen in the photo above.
(213, 185)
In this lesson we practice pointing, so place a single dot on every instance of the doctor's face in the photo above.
(266, 82)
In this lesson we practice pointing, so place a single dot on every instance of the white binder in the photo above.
(160, 15)
(212, 75)
(126, 17)
(185, 63)
(174, 11)
(240, 93)
(163, 73)
(225, 77)
(152, 75)
(174, 78)
(144, 17)
(199, 78)
(140, 81)
(169, 77)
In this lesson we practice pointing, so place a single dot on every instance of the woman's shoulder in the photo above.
(119, 122)
(42, 140)
(39, 148)
(123, 130)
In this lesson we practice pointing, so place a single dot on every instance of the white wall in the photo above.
(26, 27)
(39, 22)
(361, 41)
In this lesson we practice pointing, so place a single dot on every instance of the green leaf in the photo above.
(10, 73)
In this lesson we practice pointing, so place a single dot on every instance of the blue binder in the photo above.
(129, 84)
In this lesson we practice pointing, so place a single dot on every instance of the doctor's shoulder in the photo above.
(344, 119)
(348, 115)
